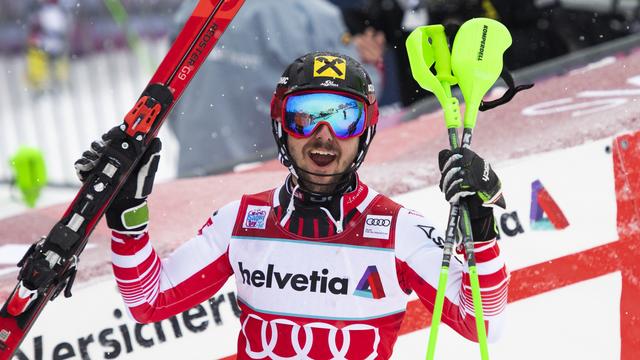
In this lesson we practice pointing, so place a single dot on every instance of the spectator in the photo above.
(540, 30)
(370, 45)
(47, 63)
(235, 84)
(395, 19)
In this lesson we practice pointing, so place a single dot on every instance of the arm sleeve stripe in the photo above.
(133, 260)
(489, 267)
(134, 282)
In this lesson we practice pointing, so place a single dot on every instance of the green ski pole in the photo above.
(476, 60)
(475, 79)
(422, 55)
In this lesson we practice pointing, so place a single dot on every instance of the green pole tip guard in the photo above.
(30, 173)
(476, 61)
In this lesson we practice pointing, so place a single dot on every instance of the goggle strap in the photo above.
(281, 143)
(293, 171)
(361, 153)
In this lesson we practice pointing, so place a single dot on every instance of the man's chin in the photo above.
(320, 184)
(324, 172)
(321, 180)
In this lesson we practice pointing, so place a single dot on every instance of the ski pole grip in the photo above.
(442, 54)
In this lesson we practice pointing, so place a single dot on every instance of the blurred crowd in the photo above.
(90, 25)
(541, 30)
(231, 94)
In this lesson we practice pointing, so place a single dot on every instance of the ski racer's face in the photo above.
(322, 153)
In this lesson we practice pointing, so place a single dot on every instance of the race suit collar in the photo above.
(355, 194)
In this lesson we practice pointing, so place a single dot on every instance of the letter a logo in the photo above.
(370, 285)
(542, 203)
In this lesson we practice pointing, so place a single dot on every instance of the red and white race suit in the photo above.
(346, 292)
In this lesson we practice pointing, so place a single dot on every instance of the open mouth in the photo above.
(321, 157)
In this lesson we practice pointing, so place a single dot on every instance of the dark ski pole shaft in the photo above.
(49, 266)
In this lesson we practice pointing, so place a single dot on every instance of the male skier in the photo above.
(323, 264)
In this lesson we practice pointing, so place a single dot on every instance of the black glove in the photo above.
(128, 212)
(465, 174)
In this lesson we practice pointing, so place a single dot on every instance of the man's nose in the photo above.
(324, 132)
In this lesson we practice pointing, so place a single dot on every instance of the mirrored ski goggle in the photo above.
(304, 112)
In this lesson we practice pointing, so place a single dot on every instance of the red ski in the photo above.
(49, 266)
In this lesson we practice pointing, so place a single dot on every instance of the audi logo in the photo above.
(266, 345)
(378, 222)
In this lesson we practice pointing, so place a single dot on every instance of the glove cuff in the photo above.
(484, 229)
(128, 216)
(483, 225)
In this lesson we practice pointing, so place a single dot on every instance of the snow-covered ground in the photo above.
(11, 203)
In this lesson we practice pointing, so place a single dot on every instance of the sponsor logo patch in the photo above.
(370, 285)
(207, 224)
(485, 173)
(316, 282)
(4, 335)
(377, 226)
(542, 203)
(256, 217)
(329, 83)
(329, 66)
(428, 230)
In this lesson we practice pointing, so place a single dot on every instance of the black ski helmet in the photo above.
(324, 71)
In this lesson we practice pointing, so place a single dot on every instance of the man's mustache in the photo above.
(319, 144)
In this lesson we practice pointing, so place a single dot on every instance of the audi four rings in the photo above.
(302, 350)
(378, 222)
